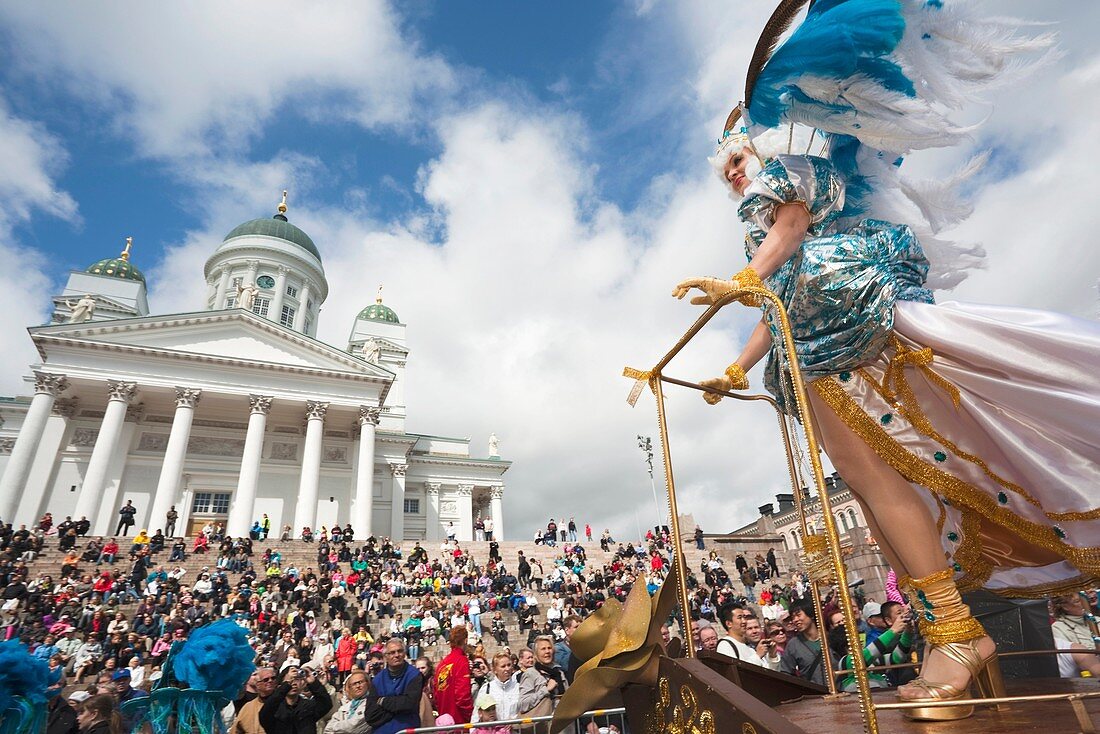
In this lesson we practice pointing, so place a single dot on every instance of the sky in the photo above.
(528, 180)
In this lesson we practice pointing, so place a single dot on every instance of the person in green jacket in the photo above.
(892, 647)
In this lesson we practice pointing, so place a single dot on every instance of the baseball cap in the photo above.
(486, 702)
(872, 609)
(120, 674)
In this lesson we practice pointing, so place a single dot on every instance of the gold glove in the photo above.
(733, 379)
(713, 289)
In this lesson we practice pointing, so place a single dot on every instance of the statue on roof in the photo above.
(494, 445)
(246, 294)
(372, 350)
(82, 310)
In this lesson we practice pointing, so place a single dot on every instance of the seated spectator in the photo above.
(201, 544)
(109, 552)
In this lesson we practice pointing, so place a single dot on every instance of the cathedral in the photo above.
(232, 412)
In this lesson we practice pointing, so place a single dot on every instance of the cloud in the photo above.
(32, 159)
(201, 78)
(525, 287)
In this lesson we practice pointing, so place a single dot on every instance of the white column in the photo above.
(223, 284)
(303, 311)
(397, 509)
(171, 471)
(12, 485)
(244, 499)
(362, 508)
(276, 311)
(90, 499)
(496, 511)
(37, 491)
(305, 515)
(433, 530)
(465, 502)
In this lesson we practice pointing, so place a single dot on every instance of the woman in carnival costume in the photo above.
(201, 677)
(967, 432)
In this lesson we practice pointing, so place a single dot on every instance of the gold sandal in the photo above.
(948, 626)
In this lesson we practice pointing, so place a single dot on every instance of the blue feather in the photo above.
(216, 657)
(836, 40)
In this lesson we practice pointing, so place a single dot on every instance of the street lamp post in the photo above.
(645, 443)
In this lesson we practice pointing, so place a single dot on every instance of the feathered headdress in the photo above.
(877, 79)
(25, 686)
(201, 676)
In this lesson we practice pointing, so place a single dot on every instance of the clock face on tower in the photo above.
(265, 281)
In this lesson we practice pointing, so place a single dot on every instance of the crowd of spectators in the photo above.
(331, 633)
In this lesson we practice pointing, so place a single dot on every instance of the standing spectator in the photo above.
(248, 718)
(539, 685)
(489, 528)
(699, 538)
(774, 568)
(288, 711)
(502, 687)
(170, 522)
(452, 680)
(572, 534)
(802, 656)
(360, 711)
(588, 532)
(479, 529)
(399, 688)
(125, 692)
(126, 518)
(60, 716)
(563, 652)
(345, 652)
(265, 526)
(1071, 632)
(749, 582)
(99, 715)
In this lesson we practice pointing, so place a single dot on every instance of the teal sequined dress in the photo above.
(841, 285)
(991, 412)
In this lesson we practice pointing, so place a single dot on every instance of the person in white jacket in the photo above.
(503, 687)
(736, 645)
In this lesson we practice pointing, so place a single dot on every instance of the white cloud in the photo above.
(31, 160)
(525, 291)
(193, 78)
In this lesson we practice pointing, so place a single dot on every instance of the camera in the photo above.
(301, 673)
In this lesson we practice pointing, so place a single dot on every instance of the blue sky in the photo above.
(529, 180)
(571, 57)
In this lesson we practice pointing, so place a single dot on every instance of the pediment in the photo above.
(233, 335)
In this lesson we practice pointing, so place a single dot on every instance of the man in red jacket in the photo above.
(452, 680)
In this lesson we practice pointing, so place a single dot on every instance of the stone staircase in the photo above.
(304, 556)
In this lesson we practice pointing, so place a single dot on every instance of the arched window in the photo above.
(842, 521)
(794, 539)
(852, 516)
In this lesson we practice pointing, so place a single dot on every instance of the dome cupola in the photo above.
(379, 312)
(118, 267)
(272, 268)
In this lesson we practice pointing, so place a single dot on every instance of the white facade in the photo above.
(229, 414)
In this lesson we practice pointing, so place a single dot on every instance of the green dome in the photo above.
(116, 267)
(379, 312)
(277, 227)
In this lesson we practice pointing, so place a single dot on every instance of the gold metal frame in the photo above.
(655, 378)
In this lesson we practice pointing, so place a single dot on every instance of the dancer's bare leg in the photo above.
(892, 556)
(899, 513)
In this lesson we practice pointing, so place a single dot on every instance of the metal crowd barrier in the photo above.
(614, 720)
